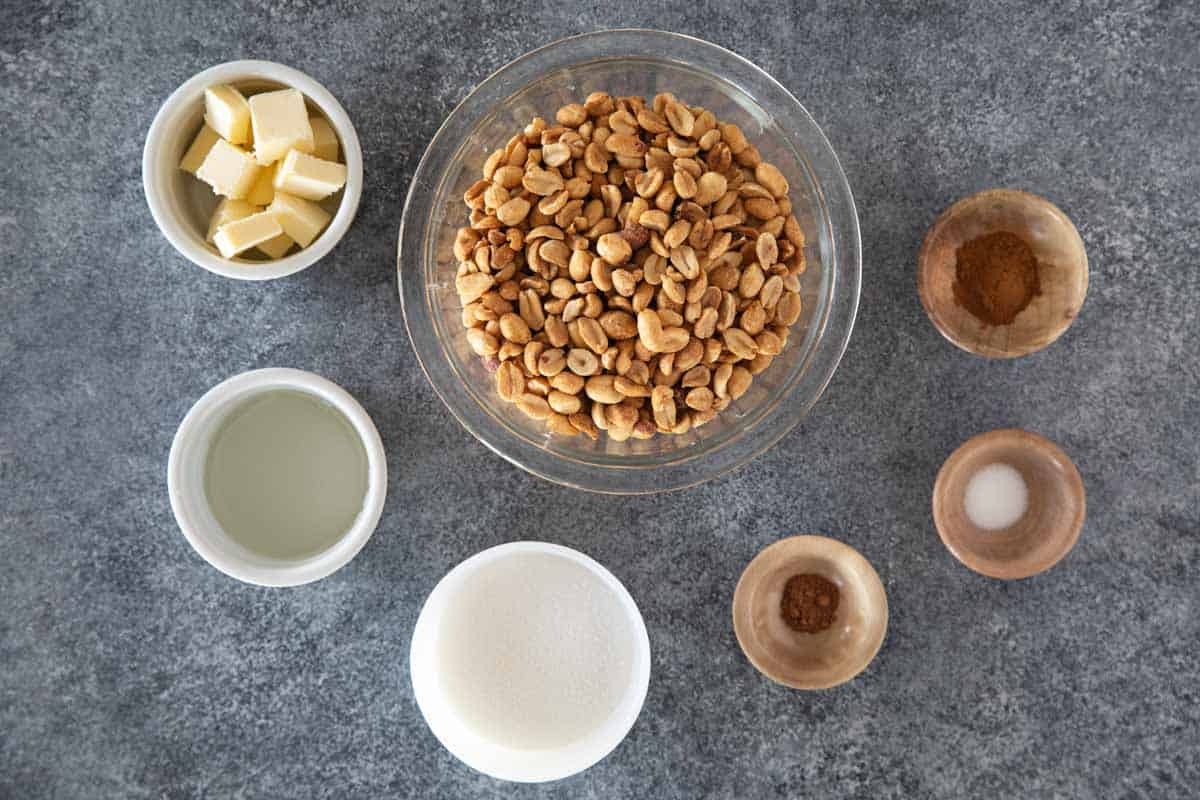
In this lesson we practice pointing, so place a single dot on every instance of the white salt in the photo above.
(534, 651)
(996, 497)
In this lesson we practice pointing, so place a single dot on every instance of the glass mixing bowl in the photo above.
(624, 62)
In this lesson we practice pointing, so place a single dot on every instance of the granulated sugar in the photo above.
(533, 651)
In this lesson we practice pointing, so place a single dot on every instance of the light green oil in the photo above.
(286, 474)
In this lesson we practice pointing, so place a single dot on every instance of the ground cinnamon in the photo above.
(809, 603)
(996, 277)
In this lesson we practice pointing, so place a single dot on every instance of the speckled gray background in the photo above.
(130, 669)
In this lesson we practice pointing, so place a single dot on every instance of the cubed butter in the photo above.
(229, 211)
(280, 123)
(308, 176)
(325, 141)
(301, 219)
(227, 113)
(196, 154)
(277, 247)
(263, 190)
(242, 234)
(229, 170)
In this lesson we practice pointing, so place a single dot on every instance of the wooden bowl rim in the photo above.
(1046, 449)
(925, 272)
(807, 544)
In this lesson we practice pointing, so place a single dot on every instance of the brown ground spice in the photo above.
(809, 603)
(996, 277)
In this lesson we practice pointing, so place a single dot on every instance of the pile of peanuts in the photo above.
(628, 269)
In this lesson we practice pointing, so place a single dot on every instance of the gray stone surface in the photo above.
(128, 668)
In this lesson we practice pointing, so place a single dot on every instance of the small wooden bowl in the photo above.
(1062, 271)
(810, 660)
(1051, 524)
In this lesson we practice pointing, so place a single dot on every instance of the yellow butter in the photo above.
(227, 113)
(308, 176)
(263, 190)
(301, 219)
(277, 247)
(280, 123)
(242, 234)
(229, 170)
(228, 211)
(195, 154)
(325, 141)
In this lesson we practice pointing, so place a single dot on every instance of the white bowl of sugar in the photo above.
(530, 662)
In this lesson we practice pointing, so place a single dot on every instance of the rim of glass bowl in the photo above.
(829, 331)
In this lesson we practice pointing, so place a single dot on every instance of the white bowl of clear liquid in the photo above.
(277, 477)
(530, 662)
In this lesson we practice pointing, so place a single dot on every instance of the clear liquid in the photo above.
(285, 475)
(533, 652)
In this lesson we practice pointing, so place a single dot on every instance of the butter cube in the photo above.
(280, 123)
(308, 176)
(196, 154)
(325, 141)
(227, 113)
(263, 190)
(242, 234)
(277, 247)
(302, 220)
(229, 211)
(229, 170)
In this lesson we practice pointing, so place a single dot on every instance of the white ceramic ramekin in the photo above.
(507, 763)
(185, 480)
(175, 197)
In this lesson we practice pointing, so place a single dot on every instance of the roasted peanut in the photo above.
(534, 406)
(602, 389)
(564, 403)
(515, 329)
(662, 402)
(582, 362)
(658, 339)
(510, 381)
(740, 343)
